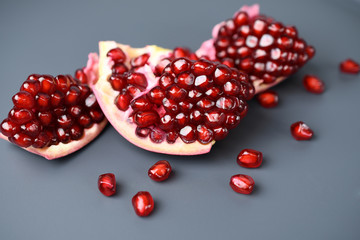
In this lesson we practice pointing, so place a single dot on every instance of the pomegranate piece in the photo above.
(242, 183)
(313, 84)
(268, 99)
(300, 131)
(143, 203)
(160, 171)
(250, 158)
(56, 106)
(107, 184)
(265, 49)
(350, 66)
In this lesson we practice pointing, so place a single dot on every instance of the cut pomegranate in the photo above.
(265, 49)
(350, 66)
(268, 99)
(250, 158)
(160, 171)
(54, 116)
(107, 184)
(143, 203)
(242, 183)
(313, 84)
(301, 131)
(181, 110)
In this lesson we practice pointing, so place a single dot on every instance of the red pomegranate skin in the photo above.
(107, 184)
(300, 131)
(250, 158)
(143, 203)
(242, 183)
(160, 171)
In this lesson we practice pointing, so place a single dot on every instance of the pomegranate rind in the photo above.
(62, 149)
(120, 120)
(207, 48)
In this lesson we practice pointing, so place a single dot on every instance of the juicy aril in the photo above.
(178, 102)
(55, 116)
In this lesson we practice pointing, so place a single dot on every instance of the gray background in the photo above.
(304, 190)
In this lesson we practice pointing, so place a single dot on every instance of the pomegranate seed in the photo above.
(176, 93)
(166, 122)
(143, 203)
(180, 65)
(232, 120)
(350, 66)
(141, 104)
(170, 106)
(47, 84)
(205, 134)
(157, 135)
(222, 74)
(140, 60)
(20, 116)
(43, 101)
(107, 184)
(156, 95)
(180, 52)
(214, 118)
(181, 120)
(8, 128)
(250, 158)
(242, 183)
(159, 68)
(142, 132)
(31, 128)
(45, 118)
(300, 131)
(81, 76)
(160, 171)
(166, 80)
(57, 99)
(31, 86)
(85, 121)
(23, 100)
(72, 96)
(41, 141)
(62, 83)
(117, 55)
(188, 134)
(117, 82)
(313, 84)
(76, 132)
(203, 67)
(21, 139)
(122, 101)
(220, 133)
(146, 118)
(241, 18)
(119, 68)
(65, 121)
(171, 137)
(185, 80)
(138, 80)
(268, 99)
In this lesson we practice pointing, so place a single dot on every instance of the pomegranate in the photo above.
(107, 184)
(313, 84)
(300, 131)
(268, 99)
(55, 116)
(250, 158)
(167, 104)
(267, 50)
(160, 171)
(350, 66)
(242, 183)
(143, 203)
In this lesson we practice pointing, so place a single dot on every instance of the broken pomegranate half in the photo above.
(169, 101)
(267, 50)
(55, 116)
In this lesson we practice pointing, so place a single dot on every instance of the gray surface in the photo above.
(304, 190)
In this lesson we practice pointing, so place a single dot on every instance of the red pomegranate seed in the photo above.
(176, 93)
(232, 120)
(85, 121)
(242, 183)
(160, 171)
(188, 134)
(140, 61)
(301, 131)
(119, 68)
(214, 118)
(47, 84)
(23, 100)
(166, 80)
(268, 99)
(350, 66)
(157, 135)
(31, 128)
(63, 135)
(117, 55)
(138, 80)
(185, 80)
(180, 52)
(171, 137)
(146, 118)
(43, 101)
(21, 139)
(203, 67)
(205, 134)
(143, 203)
(9, 128)
(41, 141)
(220, 133)
(62, 83)
(81, 76)
(141, 104)
(107, 184)
(76, 132)
(122, 101)
(20, 116)
(31, 86)
(159, 68)
(250, 158)
(156, 95)
(313, 84)
(117, 82)
(180, 65)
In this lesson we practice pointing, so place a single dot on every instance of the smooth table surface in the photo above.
(304, 190)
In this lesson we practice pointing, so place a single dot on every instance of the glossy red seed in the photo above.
(268, 99)
(80, 75)
(142, 132)
(62, 83)
(20, 116)
(143, 203)
(157, 135)
(220, 133)
(166, 80)
(250, 158)
(146, 118)
(96, 115)
(119, 68)
(140, 61)
(313, 84)
(180, 52)
(181, 120)
(45, 118)
(57, 99)
(300, 131)
(214, 118)
(41, 141)
(205, 135)
(241, 18)
(137, 79)
(170, 106)
(232, 120)
(166, 122)
(31, 128)
(203, 67)
(9, 128)
(160, 171)
(107, 184)
(180, 65)
(43, 101)
(117, 55)
(350, 66)
(118, 82)
(176, 93)
(141, 104)
(21, 139)
(31, 86)
(76, 132)
(160, 66)
(196, 117)
(242, 183)
(122, 101)
(171, 137)
(232, 87)
(156, 95)
(85, 121)
(222, 74)
(23, 99)
(65, 121)
(185, 80)
(185, 106)
(188, 134)
(47, 84)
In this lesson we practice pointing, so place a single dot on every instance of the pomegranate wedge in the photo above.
(55, 116)
(267, 50)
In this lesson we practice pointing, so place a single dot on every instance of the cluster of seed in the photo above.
(48, 110)
(261, 47)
